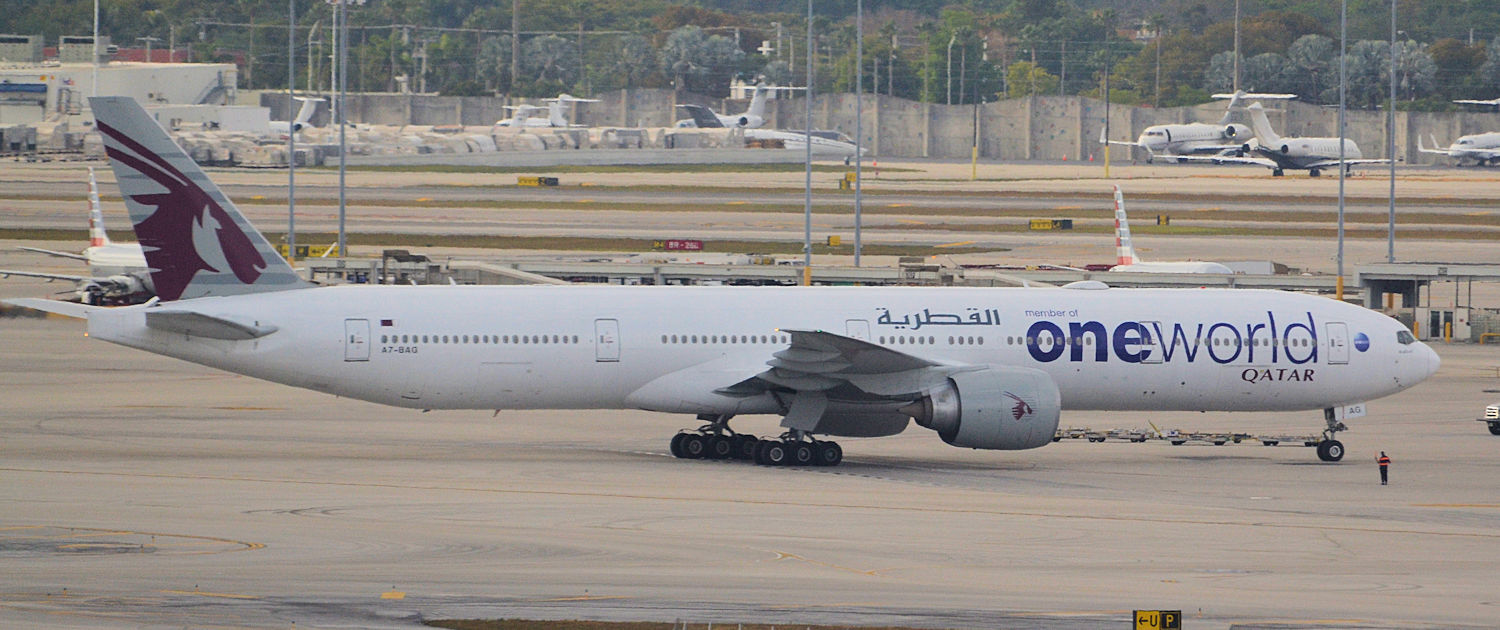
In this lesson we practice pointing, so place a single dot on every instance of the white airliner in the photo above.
(1480, 149)
(1173, 140)
(1278, 153)
(986, 368)
(1127, 261)
(525, 115)
(118, 273)
(303, 119)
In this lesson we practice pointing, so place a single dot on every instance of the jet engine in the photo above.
(1000, 407)
(749, 122)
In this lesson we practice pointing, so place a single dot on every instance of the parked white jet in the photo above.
(753, 118)
(1278, 153)
(1481, 149)
(118, 270)
(1494, 102)
(303, 119)
(1173, 140)
(525, 115)
(1127, 261)
(985, 368)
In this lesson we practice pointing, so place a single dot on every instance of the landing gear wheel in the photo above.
(1312, 172)
(1330, 450)
(720, 447)
(802, 454)
(744, 446)
(774, 453)
(1277, 172)
(829, 454)
(1495, 428)
(694, 446)
(677, 445)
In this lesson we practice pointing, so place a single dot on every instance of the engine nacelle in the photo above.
(749, 122)
(1001, 407)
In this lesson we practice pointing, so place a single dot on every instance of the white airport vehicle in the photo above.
(118, 273)
(1492, 417)
(985, 368)
(1174, 140)
(1281, 153)
(1480, 149)
(525, 115)
(303, 119)
(1127, 261)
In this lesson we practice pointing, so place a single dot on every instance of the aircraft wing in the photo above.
(66, 309)
(1230, 159)
(1334, 162)
(1492, 102)
(6, 273)
(703, 116)
(54, 253)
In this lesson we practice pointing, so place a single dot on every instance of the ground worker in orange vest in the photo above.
(1385, 464)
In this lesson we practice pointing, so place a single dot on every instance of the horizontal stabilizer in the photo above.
(66, 309)
(53, 253)
(197, 324)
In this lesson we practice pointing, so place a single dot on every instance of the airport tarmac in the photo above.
(141, 491)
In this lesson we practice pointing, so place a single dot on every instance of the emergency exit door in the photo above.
(356, 340)
(606, 340)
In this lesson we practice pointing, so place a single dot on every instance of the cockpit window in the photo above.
(1405, 338)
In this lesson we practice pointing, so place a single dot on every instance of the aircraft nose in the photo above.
(1433, 361)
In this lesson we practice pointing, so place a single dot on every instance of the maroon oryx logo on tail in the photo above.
(167, 235)
(1022, 407)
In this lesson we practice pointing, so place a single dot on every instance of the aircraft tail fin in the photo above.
(1234, 101)
(1124, 250)
(758, 102)
(1262, 125)
(305, 114)
(555, 115)
(97, 236)
(197, 243)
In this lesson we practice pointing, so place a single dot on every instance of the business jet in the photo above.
(1127, 261)
(753, 118)
(525, 115)
(985, 368)
(1279, 154)
(1481, 149)
(1173, 140)
(303, 119)
(118, 270)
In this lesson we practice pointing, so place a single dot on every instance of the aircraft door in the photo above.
(1150, 344)
(1338, 343)
(356, 340)
(606, 340)
(857, 329)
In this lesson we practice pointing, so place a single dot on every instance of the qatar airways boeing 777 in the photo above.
(985, 368)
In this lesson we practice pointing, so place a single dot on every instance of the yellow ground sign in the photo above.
(1158, 619)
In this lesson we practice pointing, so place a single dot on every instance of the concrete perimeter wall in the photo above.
(1037, 128)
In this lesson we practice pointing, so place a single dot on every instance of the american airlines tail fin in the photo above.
(1262, 125)
(195, 240)
(97, 235)
(1124, 251)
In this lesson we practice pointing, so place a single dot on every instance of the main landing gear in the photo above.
(715, 440)
(1329, 449)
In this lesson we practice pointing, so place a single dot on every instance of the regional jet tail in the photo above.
(985, 368)
(1479, 149)
(1176, 140)
(1127, 261)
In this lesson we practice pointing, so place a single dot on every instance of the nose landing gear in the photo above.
(1329, 449)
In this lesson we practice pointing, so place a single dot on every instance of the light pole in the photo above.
(859, 118)
(341, 28)
(149, 40)
(1343, 83)
(951, 40)
(291, 136)
(1390, 141)
(807, 140)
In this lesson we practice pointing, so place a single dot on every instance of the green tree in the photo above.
(1025, 79)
